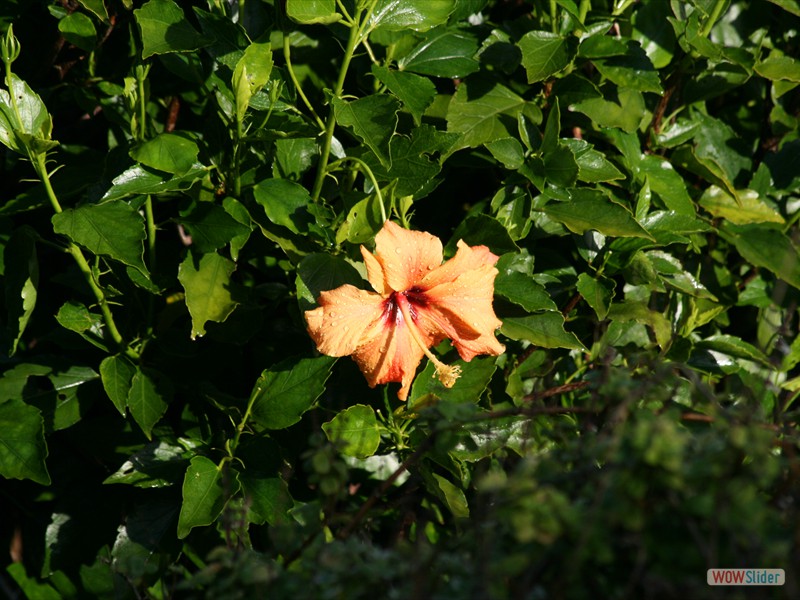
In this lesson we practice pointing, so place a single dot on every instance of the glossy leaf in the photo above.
(482, 111)
(746, 208)
(285, 202)
(469, 387)
(598, 293)
(400, 15)
(158, 464)
(543, 329)
(116, 373)
(373, 119)
(443, 52)
(167, 152)
(544, 54)
(206, 281)
(321, 272)
(113, 229)
(204, 495)
(268, 498)
(148, 398)
(354, 431)
(21, 283)
(210, 226)
(593, 211)
(285, 391)
(766, 247)
(309, 12)
(78, 30)
(415, 92)
(165, 29)
(22, 446)
(140, 180)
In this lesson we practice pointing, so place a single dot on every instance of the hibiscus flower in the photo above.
(417, 302)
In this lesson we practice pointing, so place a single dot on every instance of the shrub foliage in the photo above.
(182, 178)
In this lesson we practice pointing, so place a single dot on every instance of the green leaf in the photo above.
(287, 390)
(640, 313)
(508, 151)
(657, 41)
(746, 208)
(21, 283)
(412, 167)
(355, 431)
(140, 550)
(30, 586)
(22, 447)
(207, 285)
(453, 497)
(165, 29)
(33, 128)
(321, 272)
(415, 92)
(560, 167)
(168, 152)
(293, 157)
(268, 498)
(765, 247)
(592, 165)
(544, 329)
(443, 52)
(373, 119)
(76, 317)
(226, 39)
(790, 6)
(158, 464)
(483, 111)
(632, 70)
(667, 183)
(95, 7)
(619, 107)
(113, 229)
(308, 12)
(720, 150)
(364, 220)
(78, 30)
(116, 373)
(285, 202)
(514, 283)
(204, 495)
(589, 209)
(779, 68)
(250, 75)
(484, 230)
(210, 226)
(734, 346)
(544, 54)
(148, 398)
(139, 180)
(400, 15)
(469, 387)
(598, 293)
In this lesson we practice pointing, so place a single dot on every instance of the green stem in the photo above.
(553, 16)
(330, 124)
(287, 55)
(356, 36)
(368, 172)
(234, 443)
(83, 265)
(715, 13)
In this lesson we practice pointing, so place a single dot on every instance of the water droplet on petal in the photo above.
(397, 250)
(346, 328)
(333, 314)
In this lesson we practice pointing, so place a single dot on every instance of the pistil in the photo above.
(447, 374)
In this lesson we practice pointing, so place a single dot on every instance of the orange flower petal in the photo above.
(393, 355)
(345, 319)
(466, 259)
(406, 256)
(374, 272)
(462, 310)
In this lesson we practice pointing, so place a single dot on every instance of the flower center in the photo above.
(401, 302)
